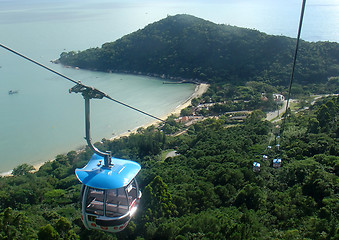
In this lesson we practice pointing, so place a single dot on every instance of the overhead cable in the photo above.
(296, 52)
(79, 84)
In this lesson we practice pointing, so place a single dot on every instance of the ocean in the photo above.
(43, 119)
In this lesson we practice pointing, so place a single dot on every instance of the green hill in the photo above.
(189, 47)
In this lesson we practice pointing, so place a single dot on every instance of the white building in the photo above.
(278, 97)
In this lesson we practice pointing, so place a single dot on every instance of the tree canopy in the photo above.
(207, 191)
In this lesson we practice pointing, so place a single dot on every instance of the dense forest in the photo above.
(207, 191)
(188, 47)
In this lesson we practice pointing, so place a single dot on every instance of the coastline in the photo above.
(200, 89)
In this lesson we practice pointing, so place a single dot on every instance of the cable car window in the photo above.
(116, 202)
(132, 191)
(95, 201)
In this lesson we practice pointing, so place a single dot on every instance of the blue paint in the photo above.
(95, 175)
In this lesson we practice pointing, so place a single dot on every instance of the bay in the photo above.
(43, 119)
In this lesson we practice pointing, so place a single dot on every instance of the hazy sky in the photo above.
(279, 17)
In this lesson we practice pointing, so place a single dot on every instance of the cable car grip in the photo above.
(89, 93)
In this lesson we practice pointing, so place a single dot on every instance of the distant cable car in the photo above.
(256, 167)
(277, 162)
(278, 146)
(277, 139)
(110, 194)
(269, 147)
(264, 157)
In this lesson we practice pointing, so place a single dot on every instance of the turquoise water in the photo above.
(43, 119)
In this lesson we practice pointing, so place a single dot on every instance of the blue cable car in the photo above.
(110, 196)
(256, 167)
(110, 193)
(277, 162)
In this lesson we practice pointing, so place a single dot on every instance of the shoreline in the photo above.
(200, 89)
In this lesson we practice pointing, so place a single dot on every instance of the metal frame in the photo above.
(88, 93)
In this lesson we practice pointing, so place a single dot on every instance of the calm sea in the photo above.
(43, 119)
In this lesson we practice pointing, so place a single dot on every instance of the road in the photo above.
(274, 114)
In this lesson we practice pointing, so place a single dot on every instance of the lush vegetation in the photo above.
(189, 47)
(208, 191)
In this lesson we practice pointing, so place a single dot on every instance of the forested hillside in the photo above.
(208, 191)
(189, 47)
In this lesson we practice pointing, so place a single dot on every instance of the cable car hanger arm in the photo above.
(88, 93)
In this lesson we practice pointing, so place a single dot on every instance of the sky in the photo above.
(278, 17)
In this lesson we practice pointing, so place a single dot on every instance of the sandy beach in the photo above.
(199, 91)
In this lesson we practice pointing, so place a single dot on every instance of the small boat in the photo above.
(10, 92)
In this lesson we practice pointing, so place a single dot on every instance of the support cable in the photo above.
(93, 92)
(296, 52)
(37, 63)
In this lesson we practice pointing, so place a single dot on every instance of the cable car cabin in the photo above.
(277, 162)
(256, 167)
(264, 157)
(110, 195)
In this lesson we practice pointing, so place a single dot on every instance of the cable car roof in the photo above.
(256, 164)
(96, 176)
